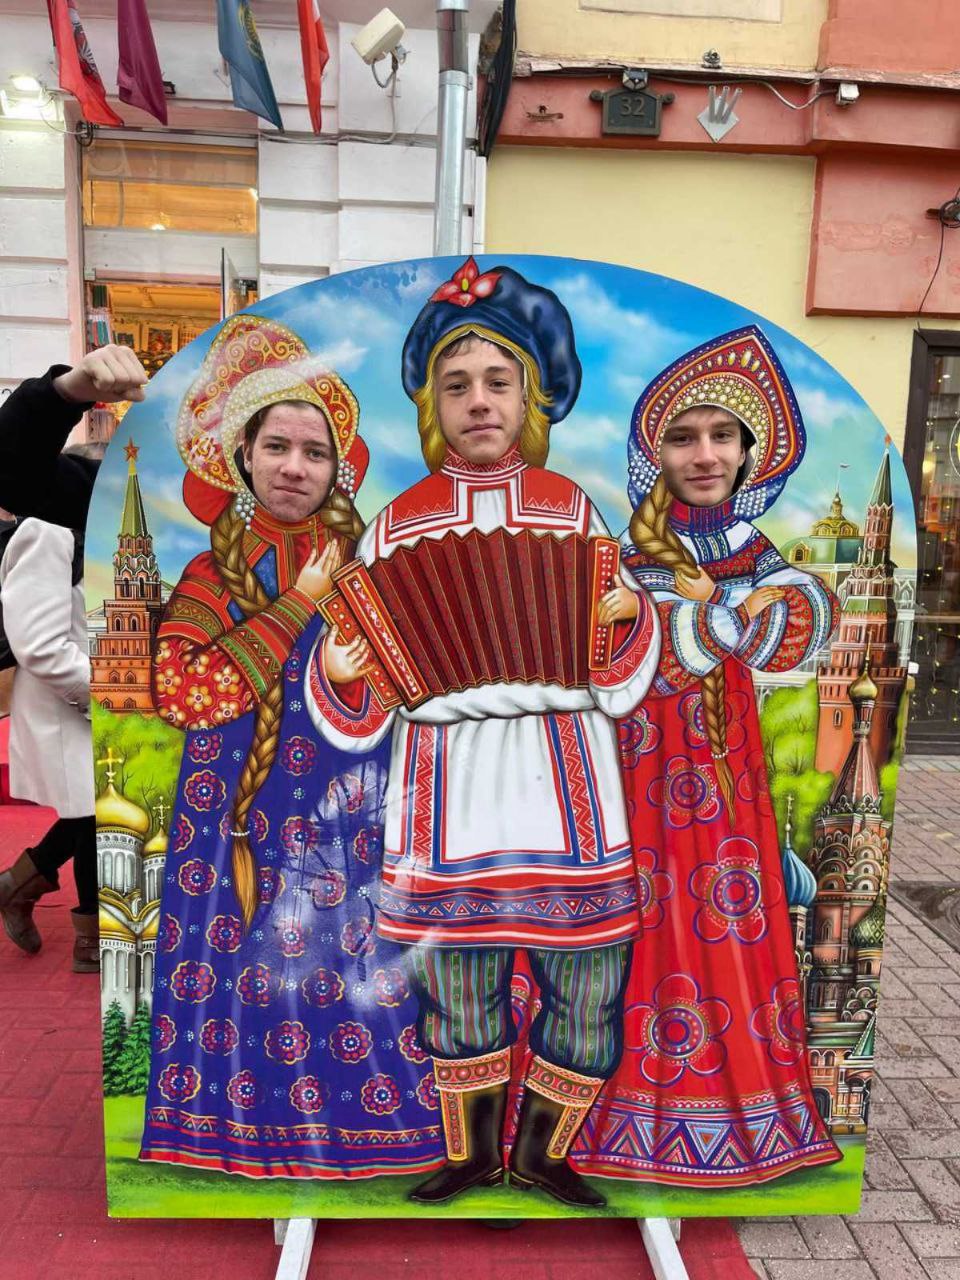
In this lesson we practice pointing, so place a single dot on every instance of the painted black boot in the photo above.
(478, 1115)
(545, 1125)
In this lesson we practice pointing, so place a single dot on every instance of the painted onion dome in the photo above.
(799, 881)
(114, 810)
(156, 845)
(868, 932)
(114, 926)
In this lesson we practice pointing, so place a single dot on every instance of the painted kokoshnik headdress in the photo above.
(499, 306)
(253, 363)
(740, 372)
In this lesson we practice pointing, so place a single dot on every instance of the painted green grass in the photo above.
(146, 1190)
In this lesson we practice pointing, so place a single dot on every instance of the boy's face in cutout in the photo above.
(701, 452)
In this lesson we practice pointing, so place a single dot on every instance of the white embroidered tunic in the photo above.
(505, 821)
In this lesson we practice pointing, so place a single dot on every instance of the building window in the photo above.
(838, 719)
(932, 457)
(170, 186)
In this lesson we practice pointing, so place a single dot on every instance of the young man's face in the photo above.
(480, 407)
(292, 461)
(700, 455)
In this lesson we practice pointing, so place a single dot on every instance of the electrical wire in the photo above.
(499, 80)
(936, 270)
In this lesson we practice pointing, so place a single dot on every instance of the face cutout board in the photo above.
(574, 860)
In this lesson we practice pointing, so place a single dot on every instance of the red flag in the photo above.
(138, 75)
(78, 71)
(313, 46)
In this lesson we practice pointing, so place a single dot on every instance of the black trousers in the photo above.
(74, 838)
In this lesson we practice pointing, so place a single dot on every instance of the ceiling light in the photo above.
(26, 84)
(157, 226)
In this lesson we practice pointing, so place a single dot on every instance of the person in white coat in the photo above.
(51, 758)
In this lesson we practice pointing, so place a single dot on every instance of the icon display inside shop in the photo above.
(500, 672)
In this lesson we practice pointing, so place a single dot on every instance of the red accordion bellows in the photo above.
(457, 612)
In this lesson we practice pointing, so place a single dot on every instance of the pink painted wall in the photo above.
(892, 35)
(873, 249)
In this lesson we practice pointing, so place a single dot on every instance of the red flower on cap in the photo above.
(467, 285)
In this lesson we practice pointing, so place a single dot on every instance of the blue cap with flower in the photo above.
(499, 303)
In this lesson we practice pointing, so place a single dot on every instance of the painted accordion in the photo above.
(482, 608)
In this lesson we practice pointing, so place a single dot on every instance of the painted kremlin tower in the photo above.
(849, 859)
(120, 660)
(867, 622)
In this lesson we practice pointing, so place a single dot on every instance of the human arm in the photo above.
(37, 586)
(35, 420)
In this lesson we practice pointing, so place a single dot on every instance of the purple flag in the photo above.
(138, 76)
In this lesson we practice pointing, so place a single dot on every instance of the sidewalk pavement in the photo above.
(908, 1227)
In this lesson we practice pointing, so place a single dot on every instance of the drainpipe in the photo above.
(451, 123)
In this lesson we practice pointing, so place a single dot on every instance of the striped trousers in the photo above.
(465, 1010)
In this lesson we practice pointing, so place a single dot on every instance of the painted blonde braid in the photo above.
(226, 540)
(651, 534)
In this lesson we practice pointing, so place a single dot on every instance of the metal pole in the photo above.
(451, 123)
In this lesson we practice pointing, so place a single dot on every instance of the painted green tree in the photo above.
(150, 750)
(114, 1039)
(788, 725)
(134, 1066)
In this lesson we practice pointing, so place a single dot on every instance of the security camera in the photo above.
(380, 37)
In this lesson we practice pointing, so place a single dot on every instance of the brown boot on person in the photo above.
(20, 887)
(86, 942)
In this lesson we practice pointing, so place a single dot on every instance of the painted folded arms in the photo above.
(210, 664)
(699, 635)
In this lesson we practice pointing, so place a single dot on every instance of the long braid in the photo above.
(651, 534)
(226, 540)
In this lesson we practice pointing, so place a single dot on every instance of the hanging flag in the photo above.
(78, 71)
(313, 47)
(138, 76)
(241, 49)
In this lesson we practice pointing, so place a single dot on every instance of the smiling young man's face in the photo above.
(700, 454)
(292, 461)
(479, 396)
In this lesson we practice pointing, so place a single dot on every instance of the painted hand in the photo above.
(316, 577)
(701, 587)
(762, 599)
(618, 605)
(109, 374)
(345, 662)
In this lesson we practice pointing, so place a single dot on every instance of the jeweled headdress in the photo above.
(254, 362)
(738, 371)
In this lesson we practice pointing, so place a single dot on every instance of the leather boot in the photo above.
(473, 1102)
(20, 887)
(555, 1105)
(86, 942)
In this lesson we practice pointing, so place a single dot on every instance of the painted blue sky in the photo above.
(629, 325)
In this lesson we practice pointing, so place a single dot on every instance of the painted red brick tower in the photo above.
(120, 661)
(867, 621)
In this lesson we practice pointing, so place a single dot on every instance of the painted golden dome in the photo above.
(112, 926)
(115, 810)
(864, 687)
(156, 845)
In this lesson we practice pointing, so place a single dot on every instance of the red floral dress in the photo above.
(713, 1088)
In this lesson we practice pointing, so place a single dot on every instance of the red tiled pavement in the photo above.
(53, 1220)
